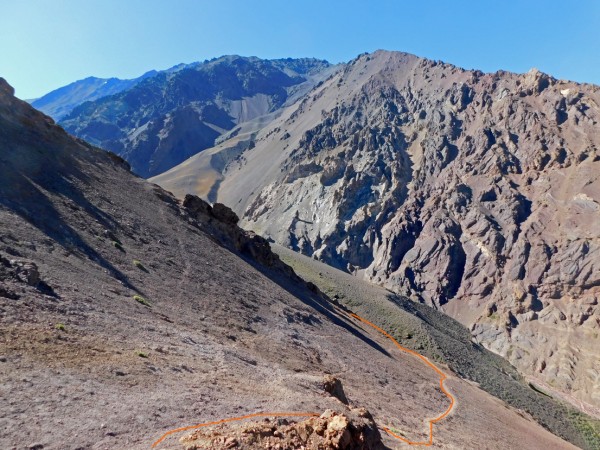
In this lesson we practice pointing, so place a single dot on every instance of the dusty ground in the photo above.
(444, 340)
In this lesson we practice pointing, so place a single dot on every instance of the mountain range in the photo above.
(60, 102)
(417, 175)
(162, 119)
(458, 210)
(475, 193)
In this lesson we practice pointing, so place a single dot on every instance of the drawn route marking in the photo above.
(427, 443)
(431, 365)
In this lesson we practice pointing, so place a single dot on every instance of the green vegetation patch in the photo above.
(142, 300)
(137, 263)
(588, 427)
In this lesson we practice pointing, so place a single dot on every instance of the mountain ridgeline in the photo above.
(168, 117)
(60, 102)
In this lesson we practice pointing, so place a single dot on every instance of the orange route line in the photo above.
(428, 443)
(442, 375)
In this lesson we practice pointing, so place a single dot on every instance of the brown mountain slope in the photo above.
(122, 317)
(476, 193)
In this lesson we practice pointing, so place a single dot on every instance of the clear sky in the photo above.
(45, 44)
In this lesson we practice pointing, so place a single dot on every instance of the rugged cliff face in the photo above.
(163, 120)
(476, 193)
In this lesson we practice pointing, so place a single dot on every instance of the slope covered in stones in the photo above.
(125, 313)
(443, 339)
(163, 120)
(475, 193)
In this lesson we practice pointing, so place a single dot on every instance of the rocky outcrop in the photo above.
(17, 274)
(333, 386)
(220, 222)
(330, 431)
(475, 193)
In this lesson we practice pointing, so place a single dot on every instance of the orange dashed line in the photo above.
(428, 443)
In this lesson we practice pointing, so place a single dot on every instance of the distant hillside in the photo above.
(161, 121)
(60, 102)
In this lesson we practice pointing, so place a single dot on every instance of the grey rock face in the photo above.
(476, 193)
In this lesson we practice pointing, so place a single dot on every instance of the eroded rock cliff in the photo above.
(476, 193)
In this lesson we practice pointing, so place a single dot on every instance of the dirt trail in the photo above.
(427, 443)
(429, 364)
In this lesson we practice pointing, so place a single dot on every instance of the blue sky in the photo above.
(45, 44)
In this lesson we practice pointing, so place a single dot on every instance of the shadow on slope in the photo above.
(40, 174)
(220, 222)
(316, 300)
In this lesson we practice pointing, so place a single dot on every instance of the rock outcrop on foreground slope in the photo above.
(476, 193)
(330, 431)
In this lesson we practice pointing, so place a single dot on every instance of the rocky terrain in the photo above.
(125, 313)
(475, 193)
(328, 431)
(168, 117)
(442, 339)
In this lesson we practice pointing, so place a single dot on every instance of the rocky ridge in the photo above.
(475, 193)
(164, 119)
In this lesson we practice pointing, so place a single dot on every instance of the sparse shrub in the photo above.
(139, 265)
(140, 299)
(588, 427)
(118, 245)
(141, 354)
(60, 327)
(397, 431)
